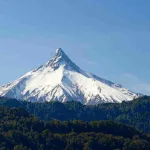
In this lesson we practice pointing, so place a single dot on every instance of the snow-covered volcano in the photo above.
(61, 79)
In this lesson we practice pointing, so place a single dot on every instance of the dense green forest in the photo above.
(21, 131)
(135, 113)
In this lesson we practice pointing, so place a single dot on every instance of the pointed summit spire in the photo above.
(60, 59)
(59, 50)
(60, 53)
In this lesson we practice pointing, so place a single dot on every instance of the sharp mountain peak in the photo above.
(61, 59)
(60, 52)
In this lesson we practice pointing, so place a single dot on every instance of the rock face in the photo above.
(62, 80)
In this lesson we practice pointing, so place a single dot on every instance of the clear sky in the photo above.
(110, 38)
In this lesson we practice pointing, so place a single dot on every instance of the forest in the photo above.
(20, 130)
(135, 113)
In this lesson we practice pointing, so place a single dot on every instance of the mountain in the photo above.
(62, 80)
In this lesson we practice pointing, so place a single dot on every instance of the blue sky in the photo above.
(108, 38)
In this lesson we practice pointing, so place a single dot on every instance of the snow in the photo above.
(60, 79)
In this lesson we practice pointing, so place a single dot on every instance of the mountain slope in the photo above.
(61, 79)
